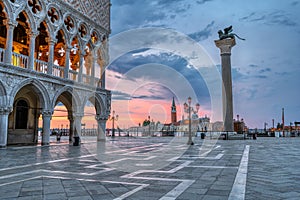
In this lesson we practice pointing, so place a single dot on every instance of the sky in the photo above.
(161, 49)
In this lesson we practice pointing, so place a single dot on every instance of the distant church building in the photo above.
(173, 112)
(51, 51)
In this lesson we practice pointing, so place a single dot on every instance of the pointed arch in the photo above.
(3, 94)
(37, 87)
(69, 97)
(30, 17)
(97, 101)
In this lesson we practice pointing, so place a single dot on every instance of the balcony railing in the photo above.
(19, 60)
(40, 66)
(58, 71)
(73, 75)
(2, 54)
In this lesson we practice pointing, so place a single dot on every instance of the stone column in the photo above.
(4, 112)
(51, 56)
(101, 121)
(9, 41)
(71, 131)
(46, 115)
(81, 66)
(77, 124)
(92, 83)
(67, 63)
(225, 46)
(32, 36)
(103, 77)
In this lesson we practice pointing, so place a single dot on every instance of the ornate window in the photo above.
(53, 15)
(82, 30)
(69, 23)
(94, 37)
(35, 6)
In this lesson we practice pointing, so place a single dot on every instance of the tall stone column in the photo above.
(101, 121)
(67, 63)
(32, 36)
(225, 46)
(93, 69)
(71, 131)
(77, 125)
(51, 56)
(9, 41)
(81, 66)
(4, 112)
(46, 115)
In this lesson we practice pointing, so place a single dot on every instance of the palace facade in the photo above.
(51, 51)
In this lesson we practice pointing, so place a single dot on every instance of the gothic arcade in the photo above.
(49, 53)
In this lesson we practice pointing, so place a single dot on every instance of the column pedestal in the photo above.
(225, 46)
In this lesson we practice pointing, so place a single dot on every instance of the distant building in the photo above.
(239, 125)
(173, 112)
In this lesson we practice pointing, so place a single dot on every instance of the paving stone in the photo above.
(272, 170)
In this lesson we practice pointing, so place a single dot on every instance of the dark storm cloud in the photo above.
(118, 95)
(136, 14)
(273, 18)
(295, 3)
(203, 34)
(265, 70)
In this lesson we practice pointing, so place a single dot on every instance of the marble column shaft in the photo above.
(46, 115)
(225, 46)
(9, 42)
(101, 129)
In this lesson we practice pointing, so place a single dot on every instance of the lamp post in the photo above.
(188, 109)
(149, 125)
(113, 118)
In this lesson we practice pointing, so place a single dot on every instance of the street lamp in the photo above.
(188, 109)
(149, 125)
(113, 118)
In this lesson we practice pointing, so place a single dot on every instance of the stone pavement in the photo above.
(153, 168)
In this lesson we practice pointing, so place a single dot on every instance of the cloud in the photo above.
(203, 34)
(118, 95)
(278, 17)
(202, 1)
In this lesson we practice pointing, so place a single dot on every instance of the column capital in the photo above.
(101, 117)
(225, 45)
(10, 24)
(78, 115)
(5, 110)
(47, 113)
(33, 34)
(52, 41)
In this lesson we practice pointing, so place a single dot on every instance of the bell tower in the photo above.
(173, 112)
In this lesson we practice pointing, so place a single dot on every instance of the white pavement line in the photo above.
(173, 194)
(135, 148)
(119, 160)
(238, 190)
(20, 174)
(42, 163)
(213, 167)
(127, 194)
